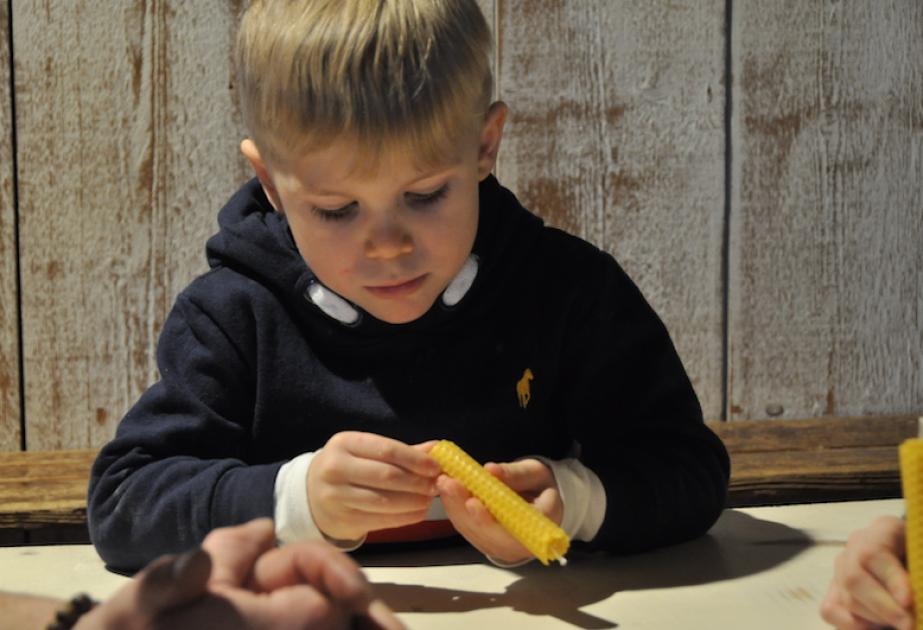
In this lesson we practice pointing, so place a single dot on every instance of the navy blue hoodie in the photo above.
(254, 374)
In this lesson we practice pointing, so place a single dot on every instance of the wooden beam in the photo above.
(809, 461)
(772, 462)
(45, 488)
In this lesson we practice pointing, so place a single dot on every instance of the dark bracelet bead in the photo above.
(67, 617)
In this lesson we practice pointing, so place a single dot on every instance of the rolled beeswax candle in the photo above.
(537, 533)
(911, 456)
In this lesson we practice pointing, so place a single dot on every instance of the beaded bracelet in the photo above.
(67, 617)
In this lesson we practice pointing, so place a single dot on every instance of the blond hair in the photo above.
(411, 73)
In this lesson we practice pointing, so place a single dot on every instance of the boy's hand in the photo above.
(871, 587)
(530, 478)
(361, 482)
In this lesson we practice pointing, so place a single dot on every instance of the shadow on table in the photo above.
(738, 545)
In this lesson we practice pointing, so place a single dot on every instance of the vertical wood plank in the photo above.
(489, 9)
(128, 142)
(826, 287)
(616, 135)
(10, 433)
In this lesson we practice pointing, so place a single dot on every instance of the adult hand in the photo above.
(361, 481)
(239, 579)
(871, 587)
(530, 478)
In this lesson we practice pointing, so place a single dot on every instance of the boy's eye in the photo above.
(336, 214)
(427, 199)
(414, 199)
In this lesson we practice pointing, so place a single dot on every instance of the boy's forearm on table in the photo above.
(661, 495)
(170, 505)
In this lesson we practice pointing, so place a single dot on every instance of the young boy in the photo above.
(374, 289)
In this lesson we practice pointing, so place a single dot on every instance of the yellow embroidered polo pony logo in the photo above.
(522, 388)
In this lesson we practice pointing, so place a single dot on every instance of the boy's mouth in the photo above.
(398, 289)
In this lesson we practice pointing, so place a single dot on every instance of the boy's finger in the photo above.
(370, 473)
(377, 447)
(452, 489)
(426, 447)
(547, 502)
(357, 500)
(523, 475)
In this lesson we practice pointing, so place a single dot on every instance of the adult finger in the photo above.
(834, 612)
(327, 569)
(863, 592)
(334, 574)
(378, 617)
(867, 599)
(232, 608)
(171, 582)
(890, 572)
(234, 550)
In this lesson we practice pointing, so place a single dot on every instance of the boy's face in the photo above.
(390, 241)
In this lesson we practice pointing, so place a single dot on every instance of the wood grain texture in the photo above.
(818, 459)
(814, 434)
(128, 146)
(826, 253)
(801, 477)
(10, 429)
(44, 488)
(615, 134)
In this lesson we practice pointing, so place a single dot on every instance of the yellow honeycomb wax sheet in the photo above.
(911, 458)
(537, 533)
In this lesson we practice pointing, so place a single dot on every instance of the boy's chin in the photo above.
(399, 314)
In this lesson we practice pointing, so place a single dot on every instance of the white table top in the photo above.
(759, 568)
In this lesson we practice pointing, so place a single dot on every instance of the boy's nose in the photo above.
(388, 241)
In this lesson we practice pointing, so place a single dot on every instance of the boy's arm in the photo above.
(638, 421)
(176, 469)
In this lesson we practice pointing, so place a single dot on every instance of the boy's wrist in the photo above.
(292, 514)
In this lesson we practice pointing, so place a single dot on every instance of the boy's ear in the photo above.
(491, 134)
(248, 148)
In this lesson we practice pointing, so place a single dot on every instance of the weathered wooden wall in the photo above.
(826, 246)
(127, 141)
(616, 134)
(127, 138)
(9, 343)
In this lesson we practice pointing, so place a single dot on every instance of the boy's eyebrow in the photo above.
(333, 193)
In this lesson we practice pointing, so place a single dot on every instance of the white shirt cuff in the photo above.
(292, 511)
